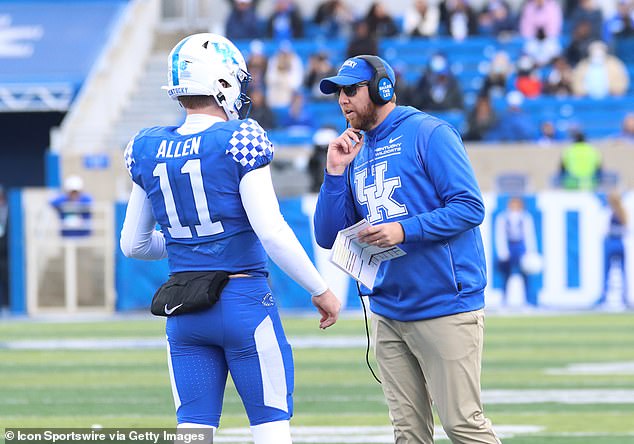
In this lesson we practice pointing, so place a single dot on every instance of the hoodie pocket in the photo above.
(452, 264)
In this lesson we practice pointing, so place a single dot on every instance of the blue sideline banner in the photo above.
(135, 280)
(570, 228)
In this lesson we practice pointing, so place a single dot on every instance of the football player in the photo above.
(208, 185)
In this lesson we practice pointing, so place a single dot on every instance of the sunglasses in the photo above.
(351, 90)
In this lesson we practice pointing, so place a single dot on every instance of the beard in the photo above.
(365, 119)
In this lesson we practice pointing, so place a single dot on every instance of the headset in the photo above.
(380, 87)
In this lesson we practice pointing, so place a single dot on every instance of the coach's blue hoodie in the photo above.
(413, 169)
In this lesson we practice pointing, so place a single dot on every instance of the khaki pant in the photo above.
(436, 359)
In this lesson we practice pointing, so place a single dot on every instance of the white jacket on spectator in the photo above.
(284, 76)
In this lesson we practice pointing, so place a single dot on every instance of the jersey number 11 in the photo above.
(206, 227)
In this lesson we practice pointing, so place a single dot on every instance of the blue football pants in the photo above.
(242, 334)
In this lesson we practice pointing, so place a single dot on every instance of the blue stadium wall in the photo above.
(570, 228)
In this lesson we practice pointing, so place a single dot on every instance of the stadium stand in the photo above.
(108, 105)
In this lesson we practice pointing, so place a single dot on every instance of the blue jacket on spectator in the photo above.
(243, 24)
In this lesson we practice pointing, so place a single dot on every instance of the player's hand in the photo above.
(328, 306)
(342, 150)
(383, 235)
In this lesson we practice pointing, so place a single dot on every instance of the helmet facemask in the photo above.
(240, 106)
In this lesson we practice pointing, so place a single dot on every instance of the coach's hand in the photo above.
(383, 235)
(328, 306)
(342, 150)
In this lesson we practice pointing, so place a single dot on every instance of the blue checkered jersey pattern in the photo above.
(193, 183)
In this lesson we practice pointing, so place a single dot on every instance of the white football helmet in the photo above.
(210, 65)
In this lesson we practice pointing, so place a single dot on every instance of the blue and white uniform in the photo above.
(515, 237)
(413, 170)
(208, 186)
(614, 255)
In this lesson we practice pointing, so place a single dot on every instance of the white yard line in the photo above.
(83, 344)
(138, 343)
(594, 368)
(560, 396)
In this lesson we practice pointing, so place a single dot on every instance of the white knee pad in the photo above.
(278, 432)
(208, 431)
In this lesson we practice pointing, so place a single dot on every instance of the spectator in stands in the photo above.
(402, 89)
(243, 23)
(558, 81)
(458, 19)
(4, 250)
(317, 162)
(74, 208)
(257, 64)
(580, 164)
(549, 134)
(496, 19)
(541, 14)
(600, 74)
(380, 22)
(334, 18)
(284, 76)
(438, 89)
(607, 7)
(362, 41)
(569, 7)
(255, 2)
(260, 111)
(542, 49)
(499, 79)
(614, 249)
(577, 49)
(421, 19)
(586, 11)
(286, 22)
(627, 128)
(514, 125)
(319, 66)
(621, 24)
(297, 119)
(515, 245)
(482, 119)
(527, 81)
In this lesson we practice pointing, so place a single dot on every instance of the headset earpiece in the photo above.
(380, 86)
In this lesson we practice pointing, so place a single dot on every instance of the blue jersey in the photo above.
(75, 214)
(193, 183)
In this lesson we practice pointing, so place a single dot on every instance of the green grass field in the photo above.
(547, 379)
